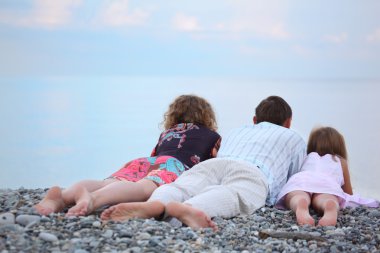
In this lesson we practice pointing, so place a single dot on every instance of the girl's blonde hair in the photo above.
(190, 109)
(327, 140)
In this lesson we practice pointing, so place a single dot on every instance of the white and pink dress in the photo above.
(322, 174)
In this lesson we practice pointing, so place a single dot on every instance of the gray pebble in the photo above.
(108, 233)
(10, 228)
(97, 224)
(26, 219)
(143, 236)
(48, 237)
(7, 218)
(374, 214)
(80, 251)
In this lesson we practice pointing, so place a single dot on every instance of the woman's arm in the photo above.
(154, 151)
(216, 147)
(347, 188)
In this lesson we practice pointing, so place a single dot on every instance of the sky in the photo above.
(84, 83)
(262, 39)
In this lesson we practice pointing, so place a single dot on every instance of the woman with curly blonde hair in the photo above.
(189, 137)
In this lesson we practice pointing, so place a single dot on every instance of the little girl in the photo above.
(324, 181)
(190, 137)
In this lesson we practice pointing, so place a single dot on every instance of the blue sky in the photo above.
(261, 39)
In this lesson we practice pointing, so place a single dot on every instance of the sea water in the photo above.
(59, 130)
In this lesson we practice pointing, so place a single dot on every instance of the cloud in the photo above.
(259, 19)
(374, 37)
(241, 19)
(186, 23)
(118, 13)
(44, 13)
(336, 38)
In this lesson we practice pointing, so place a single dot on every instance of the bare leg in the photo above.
(52, 202)
(126, 211)
(298, 202)
(114, 193)
(56, 199)
(190, 216)
(83, 203)
(70, 195)
(328, 205)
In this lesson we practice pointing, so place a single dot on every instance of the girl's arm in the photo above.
(347, 188)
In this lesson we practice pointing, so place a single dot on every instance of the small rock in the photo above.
(374, 214)
(295, 228)
(26, 219)
(47, 237)
(108, 234)
(315, 233)
(80, 251)
(11, 228)
(7, 218)
(143, 236)
(97, 224)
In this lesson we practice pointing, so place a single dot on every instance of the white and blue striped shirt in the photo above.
(278, 152)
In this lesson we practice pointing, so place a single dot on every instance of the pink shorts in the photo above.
(159, 169)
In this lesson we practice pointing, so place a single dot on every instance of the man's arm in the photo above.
(297, 161)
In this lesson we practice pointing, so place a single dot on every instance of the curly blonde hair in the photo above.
(190, 109)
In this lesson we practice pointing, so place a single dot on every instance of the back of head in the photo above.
(190, 109)
(327, 140)
(273, 109)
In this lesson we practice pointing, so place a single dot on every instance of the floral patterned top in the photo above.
(190, 143)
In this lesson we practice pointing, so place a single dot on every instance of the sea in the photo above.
(58, 130)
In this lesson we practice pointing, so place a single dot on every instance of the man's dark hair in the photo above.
(273, 109)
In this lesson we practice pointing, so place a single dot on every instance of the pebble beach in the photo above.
(266, 230)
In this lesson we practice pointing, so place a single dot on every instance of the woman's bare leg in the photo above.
(57, 199)
(52, 202)
(111, 194)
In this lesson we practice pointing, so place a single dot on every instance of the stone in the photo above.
(47, 237)
(7, 218)
(26, 219)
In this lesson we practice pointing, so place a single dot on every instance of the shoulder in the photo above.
(343, 162)
(207, 131)
(287, 133)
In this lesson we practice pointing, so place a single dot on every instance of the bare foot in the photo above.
(190, 216)
(52, 202)
(302, 213)
(125, 211)
(84, 204)
(330, 214)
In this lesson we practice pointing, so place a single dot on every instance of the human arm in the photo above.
(297, 160)
(154, 151)
(216, 147)
(347, 188)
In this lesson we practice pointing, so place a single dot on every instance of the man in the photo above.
(252, 165)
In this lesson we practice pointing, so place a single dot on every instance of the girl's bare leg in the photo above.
(299, 202)
(328, 205)
(57, 199)
(111, 194)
